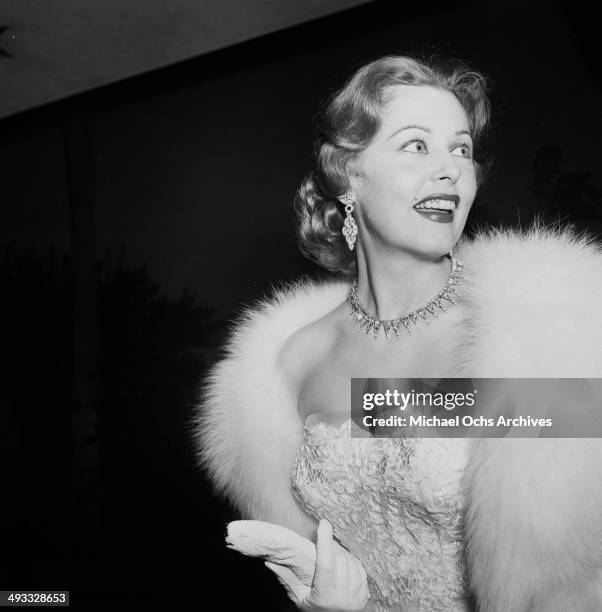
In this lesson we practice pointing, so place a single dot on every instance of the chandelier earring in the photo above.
(349, 226)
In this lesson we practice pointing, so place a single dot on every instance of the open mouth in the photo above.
(438, 208)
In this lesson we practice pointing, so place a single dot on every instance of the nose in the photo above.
(447, 170)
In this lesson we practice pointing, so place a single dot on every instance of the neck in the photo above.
(398, 284)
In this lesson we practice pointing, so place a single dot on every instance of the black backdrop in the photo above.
(138, 218)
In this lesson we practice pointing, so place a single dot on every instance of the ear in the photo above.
(355, 178)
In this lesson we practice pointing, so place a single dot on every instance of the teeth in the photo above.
(437, 204)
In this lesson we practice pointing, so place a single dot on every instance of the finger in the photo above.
(325, 556)
(342, 568)
(345, 564)
(353, 573)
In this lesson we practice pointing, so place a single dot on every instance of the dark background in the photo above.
(137, 219)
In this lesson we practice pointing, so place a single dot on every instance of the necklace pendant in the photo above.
(386, 328)
(376, 328)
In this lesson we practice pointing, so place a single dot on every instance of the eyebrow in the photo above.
(424, 129)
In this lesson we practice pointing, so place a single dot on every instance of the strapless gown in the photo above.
(397, 505)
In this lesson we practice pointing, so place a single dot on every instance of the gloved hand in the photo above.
(325, 578)
(275, 544)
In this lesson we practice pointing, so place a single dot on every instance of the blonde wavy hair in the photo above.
(350, 120)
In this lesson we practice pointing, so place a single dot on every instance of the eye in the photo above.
(415, 146)
(463, 150)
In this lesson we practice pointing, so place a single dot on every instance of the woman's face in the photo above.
(421, 156)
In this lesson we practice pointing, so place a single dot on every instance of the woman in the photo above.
(517, 522)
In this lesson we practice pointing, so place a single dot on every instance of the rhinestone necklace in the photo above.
(368, 323)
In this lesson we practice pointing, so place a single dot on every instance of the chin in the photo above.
(437, 245)
(434, 250)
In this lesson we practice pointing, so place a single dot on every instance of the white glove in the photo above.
(326, 577)
(276, 544)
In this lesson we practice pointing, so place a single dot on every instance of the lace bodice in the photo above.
(397, 505)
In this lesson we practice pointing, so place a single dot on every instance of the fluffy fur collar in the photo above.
(534, 507)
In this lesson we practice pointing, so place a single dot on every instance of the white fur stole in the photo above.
(534, 506)
(534, 513)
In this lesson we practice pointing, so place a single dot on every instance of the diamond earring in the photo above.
(349, 227)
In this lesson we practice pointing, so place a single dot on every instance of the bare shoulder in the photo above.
(304, 350)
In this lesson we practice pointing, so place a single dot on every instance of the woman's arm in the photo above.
(249, 433)
(247, 426)
(248, 430)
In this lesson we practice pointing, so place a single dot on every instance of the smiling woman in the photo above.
(382, 134)
(411, 166)
(419, 524)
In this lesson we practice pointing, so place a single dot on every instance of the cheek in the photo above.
(468, 182)
(380, 195)
(463, 216)
(394, 177)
